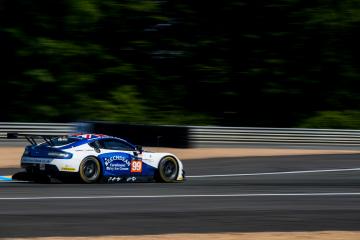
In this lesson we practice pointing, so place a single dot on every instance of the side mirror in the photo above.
(139, 149)
(96, 146)
(97, 149)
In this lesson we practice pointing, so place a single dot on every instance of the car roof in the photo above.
(93, 136)
(89, 137)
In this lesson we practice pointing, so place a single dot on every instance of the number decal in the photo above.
(136, 166)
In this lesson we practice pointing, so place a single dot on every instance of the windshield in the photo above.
(60, 141)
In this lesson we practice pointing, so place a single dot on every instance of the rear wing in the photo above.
(31, 137)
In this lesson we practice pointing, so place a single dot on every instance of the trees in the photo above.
(247, 63)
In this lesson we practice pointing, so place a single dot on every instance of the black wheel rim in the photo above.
(169, 169)
(90, 170)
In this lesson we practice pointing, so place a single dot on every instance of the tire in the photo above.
(168, 170)
(90, 171)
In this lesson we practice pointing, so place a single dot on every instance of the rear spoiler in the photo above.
(31, 137)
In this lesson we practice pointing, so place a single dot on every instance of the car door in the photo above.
(118, 159)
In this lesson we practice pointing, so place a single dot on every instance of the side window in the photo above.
(113, 144)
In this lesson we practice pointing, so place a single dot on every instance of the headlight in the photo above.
(59, 154)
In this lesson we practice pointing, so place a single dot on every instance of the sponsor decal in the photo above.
(117, 163)
(66, 168)
(62, 139)
(136, 166)
(131, 179)
(114, 179)
(120, 179)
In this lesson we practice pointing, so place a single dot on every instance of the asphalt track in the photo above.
(292, 195)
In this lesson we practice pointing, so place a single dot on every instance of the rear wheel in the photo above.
(168, 169)
(90, 170)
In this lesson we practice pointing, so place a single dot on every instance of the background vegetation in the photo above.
(276, 63)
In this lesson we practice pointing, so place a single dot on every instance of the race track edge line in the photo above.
(275, 173)
(329, 194)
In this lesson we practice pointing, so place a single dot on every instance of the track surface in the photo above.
(193, 213)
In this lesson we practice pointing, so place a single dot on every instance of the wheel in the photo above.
(90, 170)
(168, 169)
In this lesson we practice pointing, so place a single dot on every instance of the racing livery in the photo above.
(97, 158)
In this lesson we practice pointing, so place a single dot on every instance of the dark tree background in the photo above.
(276, 63)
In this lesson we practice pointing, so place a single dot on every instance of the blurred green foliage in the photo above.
(276, 63)
(333, 119)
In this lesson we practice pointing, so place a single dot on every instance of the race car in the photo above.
(93, 158)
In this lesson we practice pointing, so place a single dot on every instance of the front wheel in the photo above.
(90, 171)
(168, 169)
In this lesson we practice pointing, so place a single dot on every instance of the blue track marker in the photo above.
(5, 178)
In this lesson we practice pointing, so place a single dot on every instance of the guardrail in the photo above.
(236, 136)
(194, 136)
(33, 128)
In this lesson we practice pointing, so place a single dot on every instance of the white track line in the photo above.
(275, 173)
(327, 194)
(256, 174)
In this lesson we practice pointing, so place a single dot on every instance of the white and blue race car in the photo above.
(96, 158)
